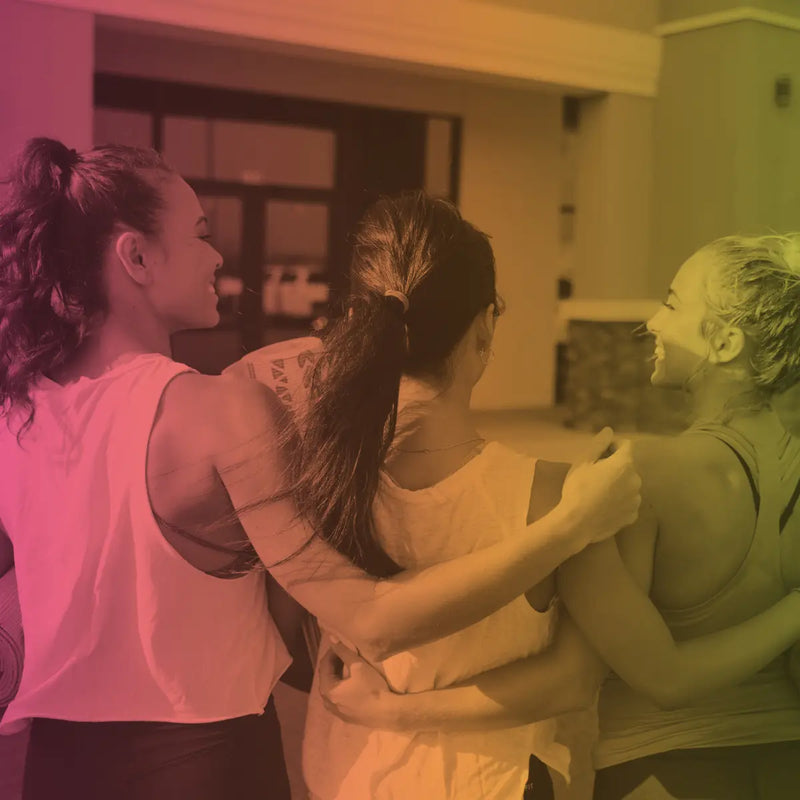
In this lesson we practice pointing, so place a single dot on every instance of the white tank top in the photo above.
(117, 625)
(480, 504)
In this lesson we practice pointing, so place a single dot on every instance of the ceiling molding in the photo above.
(727, 17)
(470, 37)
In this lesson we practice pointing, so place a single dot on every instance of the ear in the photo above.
(129, 248)
(726, 344)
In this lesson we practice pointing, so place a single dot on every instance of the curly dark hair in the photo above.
(56, 221)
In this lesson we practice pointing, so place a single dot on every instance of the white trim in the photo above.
(740, 14)
(607, 310)
(466, 36)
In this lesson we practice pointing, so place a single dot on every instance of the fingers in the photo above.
(347, 656)
(599, 444)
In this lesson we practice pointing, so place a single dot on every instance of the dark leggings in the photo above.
(751, 772)
(236, 759)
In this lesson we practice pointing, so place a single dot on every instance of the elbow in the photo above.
(368, 634)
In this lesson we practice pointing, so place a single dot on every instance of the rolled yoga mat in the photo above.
(11, 642)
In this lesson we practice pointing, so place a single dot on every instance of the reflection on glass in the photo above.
(186, 146)
(287, 155)
(438, 157)
(133, 128)
(296, 231)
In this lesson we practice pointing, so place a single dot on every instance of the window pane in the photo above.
(133, 128)
(287, 155)
(438, 157)
(186, 145)
(296, 231)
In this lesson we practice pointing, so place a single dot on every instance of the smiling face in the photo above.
(681, 349)
(183, 263)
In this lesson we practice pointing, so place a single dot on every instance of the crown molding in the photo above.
(727, 17)
(465, 36)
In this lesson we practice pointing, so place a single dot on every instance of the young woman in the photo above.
(710, 551)
(151, 652)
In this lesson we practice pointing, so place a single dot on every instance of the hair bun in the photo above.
(46, 162)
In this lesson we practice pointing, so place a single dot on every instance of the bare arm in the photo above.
(385, 616)
(620, 622)
(564, 678)
(625, 628)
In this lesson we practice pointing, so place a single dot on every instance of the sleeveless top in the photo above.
(478, 505)
(118, 626)
(762, 709)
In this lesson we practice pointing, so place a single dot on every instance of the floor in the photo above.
(539, 433)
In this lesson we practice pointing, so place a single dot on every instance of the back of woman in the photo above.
(110, 638)
(473, 507)
(764, 708)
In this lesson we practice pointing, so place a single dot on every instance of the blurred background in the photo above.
(598, 142)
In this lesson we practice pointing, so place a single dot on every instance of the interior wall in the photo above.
(726, 155)
(639, 15)
(614, 193)
(509, 177)
(46, 59)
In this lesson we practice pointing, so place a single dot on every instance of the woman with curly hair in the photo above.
(150, 645)
(716, 553)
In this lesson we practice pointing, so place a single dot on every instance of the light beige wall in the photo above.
(509, 179)
(698, 142)
(46, 57)
(614, 198)
(727, 159)
(775, 199)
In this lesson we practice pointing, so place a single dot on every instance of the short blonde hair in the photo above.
(755, 286)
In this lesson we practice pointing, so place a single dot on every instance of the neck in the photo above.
(714, 396)
(112, 343)
(432, 417)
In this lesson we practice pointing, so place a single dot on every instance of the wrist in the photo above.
(391, 711)
(569, 528)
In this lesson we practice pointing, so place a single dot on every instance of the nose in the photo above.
(652, 324)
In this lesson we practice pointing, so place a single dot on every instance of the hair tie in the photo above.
(65, 161)
(397, 296)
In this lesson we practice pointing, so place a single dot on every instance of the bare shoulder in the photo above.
(705, 512)
(201, 412)
(687, 468)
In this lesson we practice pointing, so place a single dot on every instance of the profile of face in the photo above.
(681, 349)
(178, 268)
